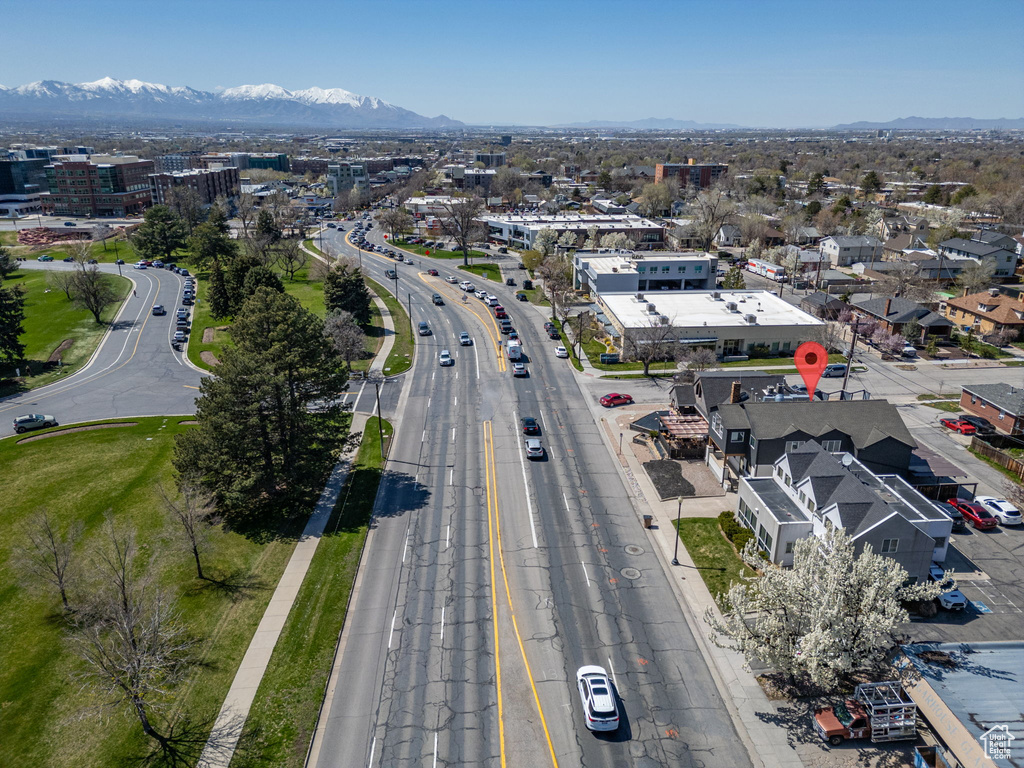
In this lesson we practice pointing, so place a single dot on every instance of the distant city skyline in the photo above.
(792, 63)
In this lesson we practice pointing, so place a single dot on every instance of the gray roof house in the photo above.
(1005, 258)
(844, 250)
(822, 305)
(809, 488)
(712, 388)
(895, 312)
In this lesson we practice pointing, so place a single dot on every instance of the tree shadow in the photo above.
(236, 586)
(183, 745)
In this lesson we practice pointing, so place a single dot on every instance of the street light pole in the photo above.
(679, 513)
(380, 423)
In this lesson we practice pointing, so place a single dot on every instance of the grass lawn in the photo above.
(80, 476)
(400, 358)
(486, 271)
(51, 319)
(535, 296)
(1014, 363)
(942, 396)
(309, 244)
(997, 467)
(573, 358)
(284, 713)
(716, 560)
(768, 362)
(437, 253)
(593, 349)
(944, 406)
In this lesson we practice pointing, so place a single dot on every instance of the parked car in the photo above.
(518, 369)
(68, 259)
(534, 448)
(70, 224)
(158, 264)
(182, 312)
(561, 351)
(158, 309)
(951, 598)
(187, 301)
(975, 515)
(1005, 512)
(530, 425)
(436, 298)
(509, 281)
(424, 329)
(33, 421)
(953, 514)
(445, 358)
(520, 265)
(465, 340)
(984, 426)
(615, 398)
(554, 334)
(958, 425)
(835, 370)
(600, 712)
(140, 265)
(179, 336)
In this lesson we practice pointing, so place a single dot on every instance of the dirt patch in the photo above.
(208, 357)
(77, 429)
(58, 353)
(668, 480)
(189, 423)
(209, 333)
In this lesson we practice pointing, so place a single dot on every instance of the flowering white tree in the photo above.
(618, 240)
(592, 243)
(567, 240)
(830, 615)
(545, 241)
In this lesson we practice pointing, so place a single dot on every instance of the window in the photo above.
(665, 270)
(788, 483)
(716, 422)
(641, 269)
(1001, 414)
(700, 268)
(832, 446)
(789, 547)
(681, 270)
(973, 400)
(940, 541)
(803, 498)
(810, 504)
(890, 546)
(753, 442)
(792, 445)
(981, 404)
(778, 471)
(735, 437)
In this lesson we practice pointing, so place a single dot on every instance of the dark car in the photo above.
(554, 334)
(530, 425)
(119, 261)
(93, 261)
(183, 272)
(187, 301)
(509, 281)
(436, 298)
(68, 259)
(432, 272)
(953, 514)
(527, 285)
(974, 514)
(520, 265)
(984, 426)
(390, 273)
(70, 224)
(522, 297)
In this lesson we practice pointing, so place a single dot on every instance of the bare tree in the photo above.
(61, 280)
(246, 209)
(345, 334)
(80, 251)
(459, 222)
(185, 202)
(712, 209)
(47, 553)
(291, 257)
(396, 221)
(831, 335)
(192, 510)
(904, 279)
(653, 342)
(261, 248)
(976, 276)
(92, 290)
(557, 274)
(698, 358)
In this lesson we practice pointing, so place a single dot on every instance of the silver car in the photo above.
(33, 421)
(534, 449)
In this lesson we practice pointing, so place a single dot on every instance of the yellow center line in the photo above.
(489, 449)
(495, 336)
(492, 495)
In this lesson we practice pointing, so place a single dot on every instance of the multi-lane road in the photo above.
(489, 579)
(135, 372)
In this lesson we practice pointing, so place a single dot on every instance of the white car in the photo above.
(445, 358)
(465, 340)
(561, 351)
(481, 294)
(1004, 511)
(952, 599)
(140, 265)
(600, 712)
(492, 300)
(468, 287)
(451, 279)
(518, 369)
(534, 448)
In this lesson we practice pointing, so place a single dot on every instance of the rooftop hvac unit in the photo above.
(639, 297)
(751, 319)
(716, 296)
(663, 319)
(651, 308)
(731, 306)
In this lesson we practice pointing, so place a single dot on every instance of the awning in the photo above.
(708, 340)
(690, 425)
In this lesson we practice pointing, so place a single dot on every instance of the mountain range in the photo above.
(937, 124)
(269, 105)
(653, 124)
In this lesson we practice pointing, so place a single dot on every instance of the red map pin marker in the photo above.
(811, 359)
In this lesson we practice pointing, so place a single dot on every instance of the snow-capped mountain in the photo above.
(265, 104)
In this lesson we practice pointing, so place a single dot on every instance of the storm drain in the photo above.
(630, 573)
(633, 549)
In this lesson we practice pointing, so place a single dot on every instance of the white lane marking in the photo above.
(529, 504)
(585, 572)
(456, 374)
(451, 476)
(406, 549)
(428, 403)
(614, 681)
(448, 536)
(442, 625)
(543, 423)
(456, 404)
(435, 749)
(393, 620)
(423, 439)
(373, 748)
(433, 375)
(476, 359)
(453, 434)
(566, 502)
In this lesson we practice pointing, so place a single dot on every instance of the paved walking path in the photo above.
(223, 740)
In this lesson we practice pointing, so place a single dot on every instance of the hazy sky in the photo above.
(775, 63)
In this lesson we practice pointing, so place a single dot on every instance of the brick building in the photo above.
(209, 184)
(1001, 404)
(988, 313)
(701, 175)
(98, 185)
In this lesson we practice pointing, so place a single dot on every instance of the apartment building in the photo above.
(691, 174)
(209, 184)
(98, 185)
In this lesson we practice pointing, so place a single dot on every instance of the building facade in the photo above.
(1000, 404)
(208, 184)
(692, 174)
(521, 231)
(98, 185)
(844, 250)
(341, 177)
(989, 313)
(606, 271)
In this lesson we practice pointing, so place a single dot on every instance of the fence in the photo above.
(1004, 460)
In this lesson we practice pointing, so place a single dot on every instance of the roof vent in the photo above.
(751, 319)
(663, 319)
(993, 292)
(651, 308)
(716, 296)
(731, 306)
(639, 297)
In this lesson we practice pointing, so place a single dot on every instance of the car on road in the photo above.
(467, 286)
(158, 309)
(432, 272)
(975, 515)
(140, 265)
(615, 398)
(491, 300)
(505, 325)
(951, 598)
(561, 351)
(481, 294)
(70, 224)
(187, 301)
(500, 313)
(509, 281)
(119, 261)
(33, 421)
(520, 265)
(92, 261)
(391, 274)
(158, 264)
(1005, 512)
(518, 369)
(530, 425)
(833, 371)
(68, 259)
(181, 323)
(182, 312)
(436, 298)
(465, 340)
(522, 297)
(179, 336)
(600, 712)
(451, 279)
(984, 426)
(534, 448)
(554, 334)
(445, 358)
(45, 257)
(424, 329)
(331, 225)
(952, 513)
(958, 425)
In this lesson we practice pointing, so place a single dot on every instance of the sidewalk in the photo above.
(223, 739)
(752, 712)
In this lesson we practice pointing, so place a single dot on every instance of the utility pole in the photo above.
(409, 302)
(849, 358)
(679, 513)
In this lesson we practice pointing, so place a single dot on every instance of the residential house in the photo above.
(894, 226)
(979, 249)
(823, 305)
(1001, 404)
(588, 177)
(894, 248)
(748, 438)
(809, 490)
(845, 250)
(989, 313)
(710, 389)
(894, 313)
(728, 236)
(808, 236)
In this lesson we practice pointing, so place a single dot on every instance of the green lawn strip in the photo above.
(535, 296)
(486, 271)
(115, 249)
(715, 558)
(284, 713)
(309, 244)
(1014, 363)
(651, 375)
(78, 477)
(1012, 476)
(948, 407)
(436, 253)
(51, 319)
(769, 361)
(943, 396)
(593, 349)
(310, 293)
(400, 358)
(573, 358)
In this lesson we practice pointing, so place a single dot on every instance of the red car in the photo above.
(500, 313)
(958, 425)
(614, 398)
(432, 272)
(975, 514)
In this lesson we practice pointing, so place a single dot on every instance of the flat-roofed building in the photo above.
(98, 185)
(209, 184)
(610, 271)
(520, 231)
(691, 174)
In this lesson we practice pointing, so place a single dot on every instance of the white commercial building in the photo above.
(733, 323)
(521, 231)
(609, 271)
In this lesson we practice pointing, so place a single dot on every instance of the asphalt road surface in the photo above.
(488, 579)
(135, 371)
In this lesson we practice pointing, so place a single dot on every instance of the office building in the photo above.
(691, 174)
(208, 184)
(98, 185)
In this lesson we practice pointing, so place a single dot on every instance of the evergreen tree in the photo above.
(218, 218)
(160, 234)
(7, 264)
(259, 441)
(12, 316)
(266, 227)
(217, 294)
(261, 277)
(345, 290)
(234, 279)
(208, 244)
(733, 280)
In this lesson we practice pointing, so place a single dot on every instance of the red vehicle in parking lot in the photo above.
(958, 425)
(614, 398)
(974, 514)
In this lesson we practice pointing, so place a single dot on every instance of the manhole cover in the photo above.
(630, 573)
(633, 549)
